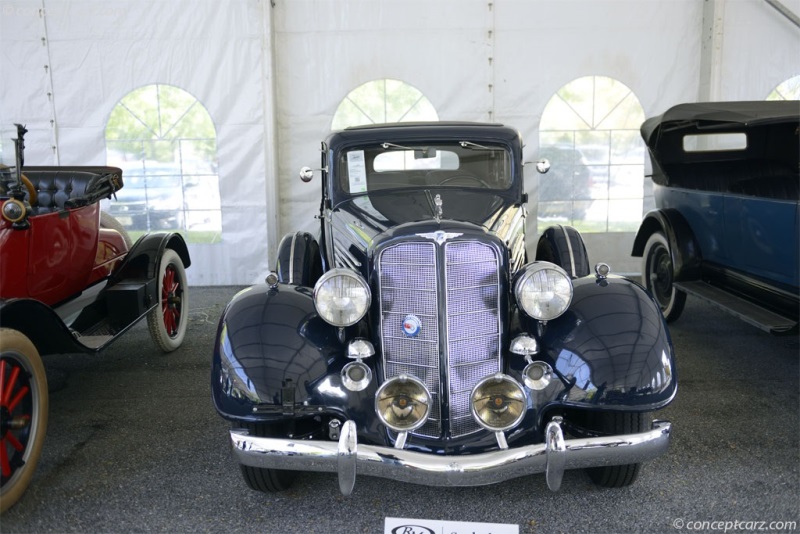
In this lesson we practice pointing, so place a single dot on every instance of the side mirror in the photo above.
(306, 174)
(542, 166)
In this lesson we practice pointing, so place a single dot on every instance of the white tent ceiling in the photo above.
(271, 75)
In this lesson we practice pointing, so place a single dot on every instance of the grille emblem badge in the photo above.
(440, 236)
(411, 325)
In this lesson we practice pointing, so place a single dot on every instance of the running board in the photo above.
(753, 314)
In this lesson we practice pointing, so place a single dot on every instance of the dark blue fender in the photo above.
(275, 358)
(610, 350)
(685, 251)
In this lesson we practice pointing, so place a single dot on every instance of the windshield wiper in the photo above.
(474, 146)
(396, 147)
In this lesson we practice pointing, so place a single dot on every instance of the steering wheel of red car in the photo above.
(32, 194)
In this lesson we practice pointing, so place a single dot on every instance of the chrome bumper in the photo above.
(552, 457)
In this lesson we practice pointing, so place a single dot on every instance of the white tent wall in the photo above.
(99, 51)
(760, 49)
(491, 61)
(651, 47)
(271, 75)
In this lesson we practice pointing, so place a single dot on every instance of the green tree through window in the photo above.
(590, 133)
(382, 101)
(787, 90)
(165, 142)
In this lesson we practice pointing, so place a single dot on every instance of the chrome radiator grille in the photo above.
(470, 342)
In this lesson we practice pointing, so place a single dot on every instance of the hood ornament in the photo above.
(437, 202)
(440, 236)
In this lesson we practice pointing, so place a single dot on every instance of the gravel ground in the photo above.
(134, 444)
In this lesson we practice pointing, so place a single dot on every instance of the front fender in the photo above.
(144, 258)
(611, 349)
(683, 246)
(41, 324)
(273, 355)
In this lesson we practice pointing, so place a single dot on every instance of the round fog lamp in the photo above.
(403, 403)
(498, 402)
(356, 376)
(537, 375)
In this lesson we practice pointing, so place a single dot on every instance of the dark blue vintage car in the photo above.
(727, 224)
(413, 339)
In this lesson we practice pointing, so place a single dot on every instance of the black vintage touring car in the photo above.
(413, 339)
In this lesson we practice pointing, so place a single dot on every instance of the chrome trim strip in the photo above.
(571, 254)
(348, 457)
(344, 258)
(291, 260)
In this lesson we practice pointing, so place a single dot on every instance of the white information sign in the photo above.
(357, 171)
(397, 525)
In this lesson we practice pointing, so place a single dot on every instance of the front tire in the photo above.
(24, 406)
(168, 320)
(267, 480)
(657, 277)
(614, 423)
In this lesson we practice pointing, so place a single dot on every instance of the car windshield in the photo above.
(411, 165)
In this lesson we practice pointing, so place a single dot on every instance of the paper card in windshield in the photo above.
(356, 171)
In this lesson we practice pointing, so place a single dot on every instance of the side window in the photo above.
(787, 90)
(382, 101)
(165, 142)
(590, 133)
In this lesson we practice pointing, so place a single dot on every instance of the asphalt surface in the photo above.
(134, 445)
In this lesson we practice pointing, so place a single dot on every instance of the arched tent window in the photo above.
(590, 133)
(382, 101)
(787, 90)
(165, 142)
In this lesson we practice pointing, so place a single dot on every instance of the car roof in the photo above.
(444, 130)
(692, 117)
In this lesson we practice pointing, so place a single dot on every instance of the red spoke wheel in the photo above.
(168, 320)
(23, 414)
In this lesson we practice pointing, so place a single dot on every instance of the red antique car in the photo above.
(71, 281)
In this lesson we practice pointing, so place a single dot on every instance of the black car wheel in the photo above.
(23, 414)
(168, 320)
(615, 423)
(267, 480)
(657, 277)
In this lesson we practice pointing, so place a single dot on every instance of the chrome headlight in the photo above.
(498, 402)
(403, 403)
(543, 291)
(341, 297)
